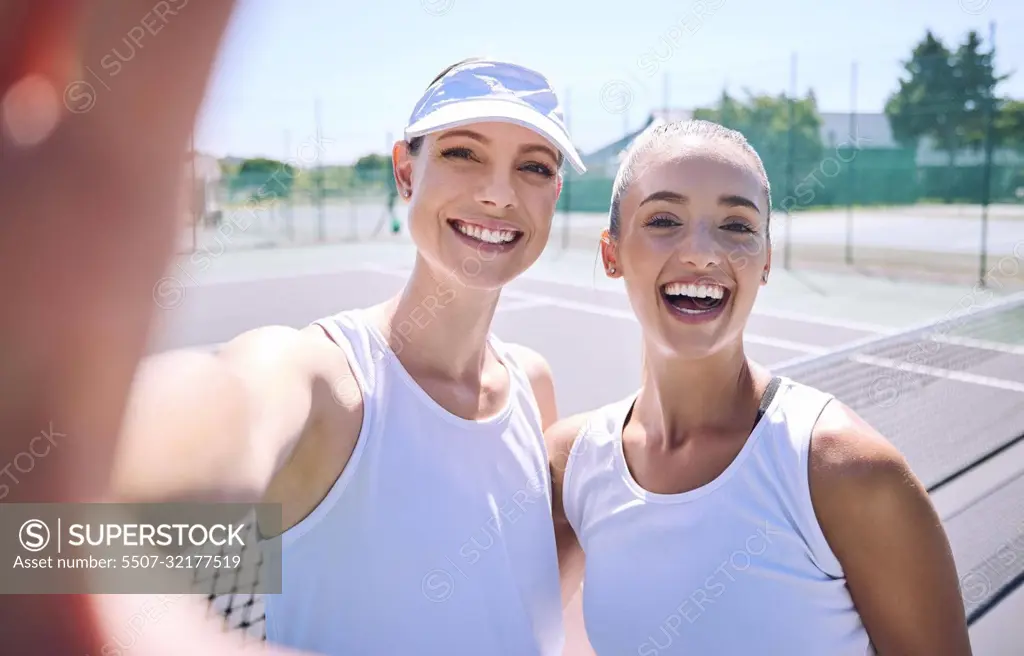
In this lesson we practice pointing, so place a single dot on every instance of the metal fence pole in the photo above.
(987, 174)
(852, 187)
(319, 175)
(567, 185)
(790, 163)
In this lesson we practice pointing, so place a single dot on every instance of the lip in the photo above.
(697, 280)
(489, 224)
(695, 319)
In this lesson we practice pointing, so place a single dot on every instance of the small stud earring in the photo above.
(611, 269)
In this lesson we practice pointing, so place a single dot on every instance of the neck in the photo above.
(716, 394)
(438, 325)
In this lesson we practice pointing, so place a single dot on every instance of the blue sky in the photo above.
(368, 62)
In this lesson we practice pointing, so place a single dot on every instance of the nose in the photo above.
(496, 190)
(700, 247)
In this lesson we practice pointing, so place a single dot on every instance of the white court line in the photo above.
(825, 321)
(521, 305)
(1012, 349)
(508, 307)
(775, 314)
(542, 299)
(960, 376)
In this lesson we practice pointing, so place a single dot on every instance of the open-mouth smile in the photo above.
(695, 302)
(493, 237)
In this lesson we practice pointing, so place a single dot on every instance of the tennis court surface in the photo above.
(949, 394)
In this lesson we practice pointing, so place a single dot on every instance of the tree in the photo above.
(945, 97)
(1009, 126)
(373, 168)
(267, 178)
(976, 82)
(765, 121)
(924, 104)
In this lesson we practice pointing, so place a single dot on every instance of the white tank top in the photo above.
(437, 538)
(738, 566)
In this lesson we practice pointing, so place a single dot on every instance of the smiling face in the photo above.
(692, 244)
(482, 199)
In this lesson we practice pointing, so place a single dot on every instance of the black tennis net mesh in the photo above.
(948, 394)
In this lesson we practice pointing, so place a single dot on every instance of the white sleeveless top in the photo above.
(738, 566)
(437, 538)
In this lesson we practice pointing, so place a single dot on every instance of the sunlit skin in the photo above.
(492, 174)
(706, 221)
(495, 174)
(697, 214)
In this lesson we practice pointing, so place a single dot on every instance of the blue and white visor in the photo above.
(494, 91)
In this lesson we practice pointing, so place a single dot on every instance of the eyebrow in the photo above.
(730, 200)
(462, 132)
(543, 149)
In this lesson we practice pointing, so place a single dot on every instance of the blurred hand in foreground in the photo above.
(93, 147)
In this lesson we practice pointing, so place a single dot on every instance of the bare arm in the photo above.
(880, 523)
(91, 217)
(541, 380)
(226, 424)
(560, 438)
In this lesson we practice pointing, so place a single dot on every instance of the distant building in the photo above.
(869, 131)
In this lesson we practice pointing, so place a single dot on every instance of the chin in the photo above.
(686, 339)
(486, 259)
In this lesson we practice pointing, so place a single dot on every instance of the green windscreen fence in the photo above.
(841, 177)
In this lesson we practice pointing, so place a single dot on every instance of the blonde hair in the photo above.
(664, 135)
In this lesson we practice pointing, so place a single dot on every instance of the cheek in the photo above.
(539, 201)
(746, 256)
(642, 266)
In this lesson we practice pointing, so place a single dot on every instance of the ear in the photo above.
(609, 255)
(767, 263)
(401, 164)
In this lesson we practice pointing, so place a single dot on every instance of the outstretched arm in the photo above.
(89, 198)
(881, 525)
(224, 425)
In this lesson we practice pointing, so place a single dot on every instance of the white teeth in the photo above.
(483, 234)
(695, 291)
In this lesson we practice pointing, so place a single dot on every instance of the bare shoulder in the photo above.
(849, 459)
(303, 392)
(542, 380)
(535, 364)
(561, 438)
(281, 346)
(879, 521)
